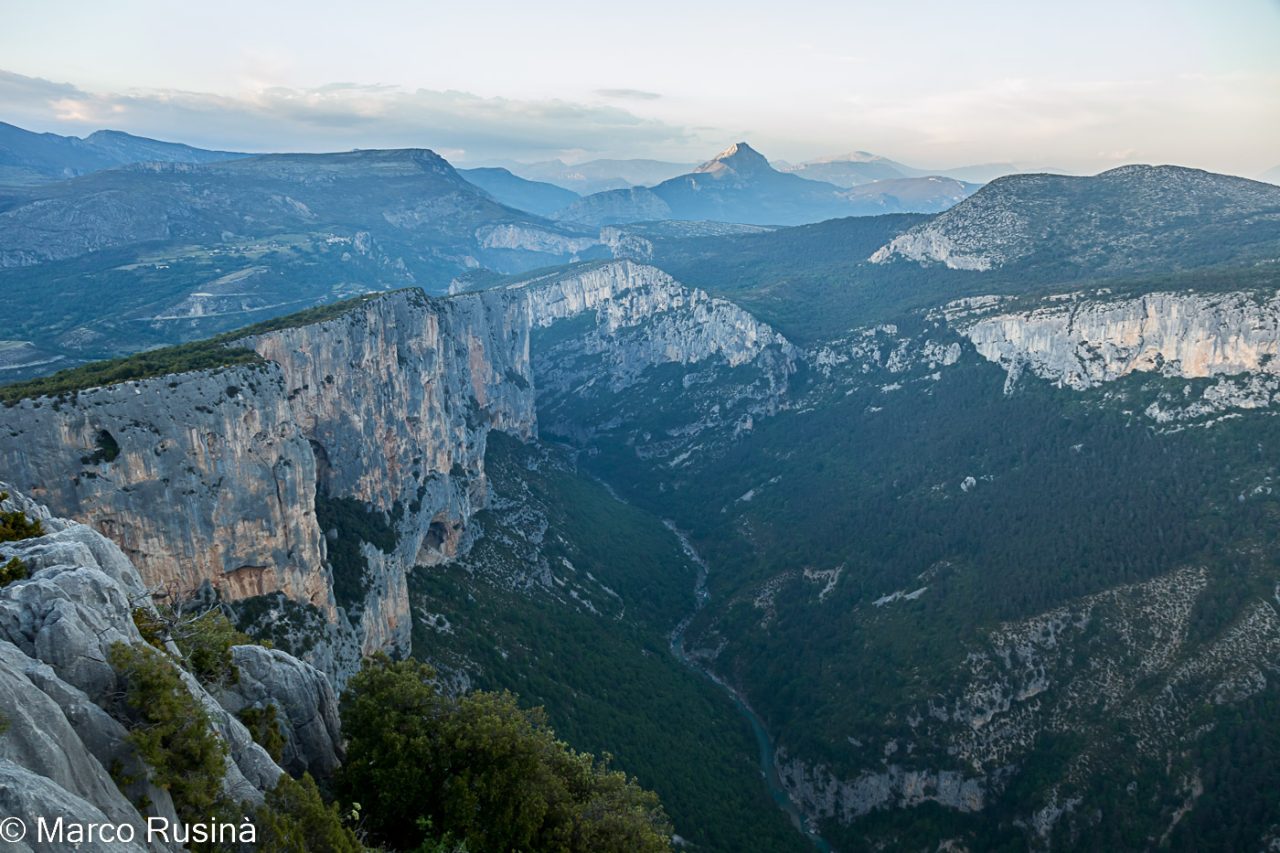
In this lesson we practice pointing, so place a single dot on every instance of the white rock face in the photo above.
(624, 244)
(532, 239)
(679, 324)
(303, 699)
(933, 245)
(1179, 334)
(822, 795)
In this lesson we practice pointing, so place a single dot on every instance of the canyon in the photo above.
(212, 477)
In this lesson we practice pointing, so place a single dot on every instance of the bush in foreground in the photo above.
(480, 770)
(295, 819)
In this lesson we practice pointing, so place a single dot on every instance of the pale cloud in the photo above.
(628, 94)
(1163, 120)
(1223, 121)
(340, 116)
(936, 84)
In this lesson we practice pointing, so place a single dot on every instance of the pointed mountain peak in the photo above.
(740, 157)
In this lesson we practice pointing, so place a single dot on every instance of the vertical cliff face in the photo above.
(205, 476)
(213, 476)
(355, 451)
(600, 332)
(1180, 334)
(396, 400)
(644, 317)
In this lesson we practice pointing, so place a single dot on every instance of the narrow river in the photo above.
(764, 743)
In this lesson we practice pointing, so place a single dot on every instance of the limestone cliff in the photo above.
(214, 476)
(396, 400)
(1084, 342)
(203, 476)
(645, 317)
(599, 330)
(532, 239)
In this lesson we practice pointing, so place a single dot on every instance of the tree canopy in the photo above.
(479, 769)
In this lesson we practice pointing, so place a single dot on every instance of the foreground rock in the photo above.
(63, 752)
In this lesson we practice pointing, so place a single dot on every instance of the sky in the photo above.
(1079, 86)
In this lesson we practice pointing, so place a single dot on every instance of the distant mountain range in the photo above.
(849, 170)
(157, 253)
(854, 169)
(28, 158)
(512, 190)
(410, 198)
(983, 173)
(930, 194)
(862, 167)
(1271, 176)
(594, 176)
(32, 158)
(739, 185)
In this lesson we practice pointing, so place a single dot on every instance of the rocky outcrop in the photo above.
(531, 239)
(305, 706)
(644, 317)
(1087, 342)
(625, 244)
(28, 793)
(822, 795)
(63, 751)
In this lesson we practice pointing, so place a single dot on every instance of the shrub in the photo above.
(204, 640)
(480, 769)
(170, 731)
(264, 725)
(205, 643)
(13, 570)
(354, 522)
(14, 525)
(295, 819)
(152, 628)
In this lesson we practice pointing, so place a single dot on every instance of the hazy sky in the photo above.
(1083, 85)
